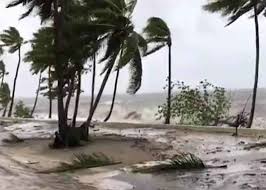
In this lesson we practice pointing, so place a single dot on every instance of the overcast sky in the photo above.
(202, 48)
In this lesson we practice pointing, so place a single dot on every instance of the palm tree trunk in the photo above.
(77, 100)
(99, 95)
(114, 96)
(70, 93)
(4, 112)
(2, 81)
(93, 81)
(254, 97)
(50, 93)
(37, 95)
(14, 84)
(58, 24)
(168, 115)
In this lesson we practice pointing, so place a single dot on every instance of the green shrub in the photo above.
(22, 111)
(205, 104)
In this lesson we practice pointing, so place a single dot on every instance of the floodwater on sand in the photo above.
(246, 166)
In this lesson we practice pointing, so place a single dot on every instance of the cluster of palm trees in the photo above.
(79, 30)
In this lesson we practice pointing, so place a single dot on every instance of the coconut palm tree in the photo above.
(158, 34)
(55, 10)
(234, 10)
(120, 37)
(42, 56)
(11, 38)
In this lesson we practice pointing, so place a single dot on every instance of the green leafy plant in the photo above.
(205, 104)
(22, 111)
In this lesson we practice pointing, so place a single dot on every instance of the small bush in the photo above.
(205, 104)
(22, 111)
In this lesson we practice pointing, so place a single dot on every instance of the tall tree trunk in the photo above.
(3, 78)
(50, 92)
(4, 112)
(93, 81)
(99, 95)
(37, 96)
(168, 115)
(254, 97)
(77, 100)
(70, 93)
(14, 84)
(59, 41)
(114, 96)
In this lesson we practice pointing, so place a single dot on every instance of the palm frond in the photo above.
(135, 69)
(156, 27)
(233, 9)
(155, 49)
(11, 39)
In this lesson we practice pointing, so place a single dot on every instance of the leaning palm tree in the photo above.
(122, 41)
(11, 38)
(158, 34)
(234, 10)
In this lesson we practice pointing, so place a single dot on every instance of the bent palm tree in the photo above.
(121, 37)
(158, 33)
(12, 39)
(234, 10)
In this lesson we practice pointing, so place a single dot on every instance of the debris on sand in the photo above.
(182, 161)
(255, 146)
(10, 138)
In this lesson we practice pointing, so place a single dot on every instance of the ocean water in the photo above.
(145, 106)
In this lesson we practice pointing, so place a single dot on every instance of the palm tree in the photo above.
(55, 10)
(234, 10)
(12, 39)
(120, 36)
(158, 33)
(42, 56)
